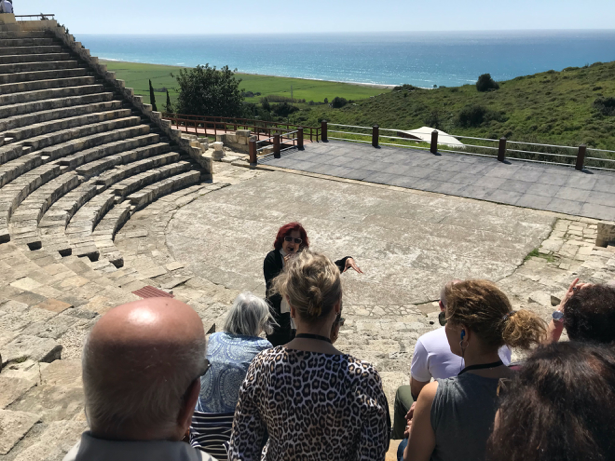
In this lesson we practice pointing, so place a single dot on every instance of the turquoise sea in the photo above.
(420, 58)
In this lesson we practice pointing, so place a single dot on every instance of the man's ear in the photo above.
(185, 414)
(293, 312)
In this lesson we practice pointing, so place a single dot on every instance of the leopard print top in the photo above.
(312, 406)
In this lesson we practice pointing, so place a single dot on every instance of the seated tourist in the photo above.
(559, 407)
(229, 353)
(142, 364)
(587, 312)
(453, 417)
(432, 359)
(311, 401)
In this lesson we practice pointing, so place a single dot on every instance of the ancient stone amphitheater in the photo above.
(79, 154)
(95, 188)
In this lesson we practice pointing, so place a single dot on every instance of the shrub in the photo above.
(606, 106)
(284, 109)
(338, 102)
(471, 116)
(326, 101)
(486, 83)
(474, 116)
(205, 90)
(169, 106)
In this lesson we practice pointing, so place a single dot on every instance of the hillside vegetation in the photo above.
(571, 107)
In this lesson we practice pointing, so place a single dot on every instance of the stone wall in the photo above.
(174, 135)
(606, 234)
(238, 141)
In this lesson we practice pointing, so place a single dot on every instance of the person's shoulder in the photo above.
(361, 368)
(434, 339)
(271, 256)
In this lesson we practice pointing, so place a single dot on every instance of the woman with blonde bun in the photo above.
(453, 417)
(309, 399)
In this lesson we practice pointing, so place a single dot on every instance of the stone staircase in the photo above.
(79, 155)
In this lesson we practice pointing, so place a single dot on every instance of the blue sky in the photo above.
(242, 16)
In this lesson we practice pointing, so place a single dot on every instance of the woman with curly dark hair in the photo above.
(559, 407)
(291, 239)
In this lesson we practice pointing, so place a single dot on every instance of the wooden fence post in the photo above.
(276, 146)
(300, 138)
(323, 131)
(434, 142)
(252, 144)
(581, 157)
(502, 150)
(375, 135)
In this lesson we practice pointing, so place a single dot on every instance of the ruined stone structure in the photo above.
(99, 196)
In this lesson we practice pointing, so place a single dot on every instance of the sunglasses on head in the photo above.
(288, 238)
(442, 318)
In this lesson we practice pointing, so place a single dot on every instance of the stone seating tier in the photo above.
(76, 160)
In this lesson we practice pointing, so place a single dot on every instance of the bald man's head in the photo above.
(138, 363)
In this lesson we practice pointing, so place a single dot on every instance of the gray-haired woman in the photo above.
(229, 353)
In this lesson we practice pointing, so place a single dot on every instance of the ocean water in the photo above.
(421, 58)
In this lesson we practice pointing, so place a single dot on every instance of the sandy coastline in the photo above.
(371, 85)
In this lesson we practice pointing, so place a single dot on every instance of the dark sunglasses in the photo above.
(442, 318)
(288, 238)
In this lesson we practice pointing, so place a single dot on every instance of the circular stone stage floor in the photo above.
(408, 243)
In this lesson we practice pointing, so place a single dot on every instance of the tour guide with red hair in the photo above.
(291, 239)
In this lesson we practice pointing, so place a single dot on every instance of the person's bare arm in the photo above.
(555, 329)
(422, 440)
(416, 387)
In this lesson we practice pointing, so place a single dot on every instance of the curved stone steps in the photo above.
(133, 184)
(19, 42)
(105, 231)
(156, 190)
(43, 128)
(66, 142)
(18, 165)
(20, 121)
(24, 221)
(98, 167)
(120, 173)
(138, 137)
(22, 34)
(49, 93)
(41, 57)
(53, 223)
(47, 83)
(50, 104)
(12, 194)
(52, 226)
(28, 76)
(31, 49)
(37, 66)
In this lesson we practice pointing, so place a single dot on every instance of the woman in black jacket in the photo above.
(291, 239)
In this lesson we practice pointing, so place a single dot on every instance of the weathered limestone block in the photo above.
(218, 150)
(13, 426)
(55, 442)
(12, 389)
(606, 234)
(52, 403)
(31, 347)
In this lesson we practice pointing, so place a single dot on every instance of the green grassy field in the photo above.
(137, 76)
(548, 107)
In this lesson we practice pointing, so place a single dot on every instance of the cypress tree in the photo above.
(169, 105)
(152, 97)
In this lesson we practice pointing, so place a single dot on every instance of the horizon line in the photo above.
(354, 32)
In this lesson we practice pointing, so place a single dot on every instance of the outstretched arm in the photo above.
(422, 440)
